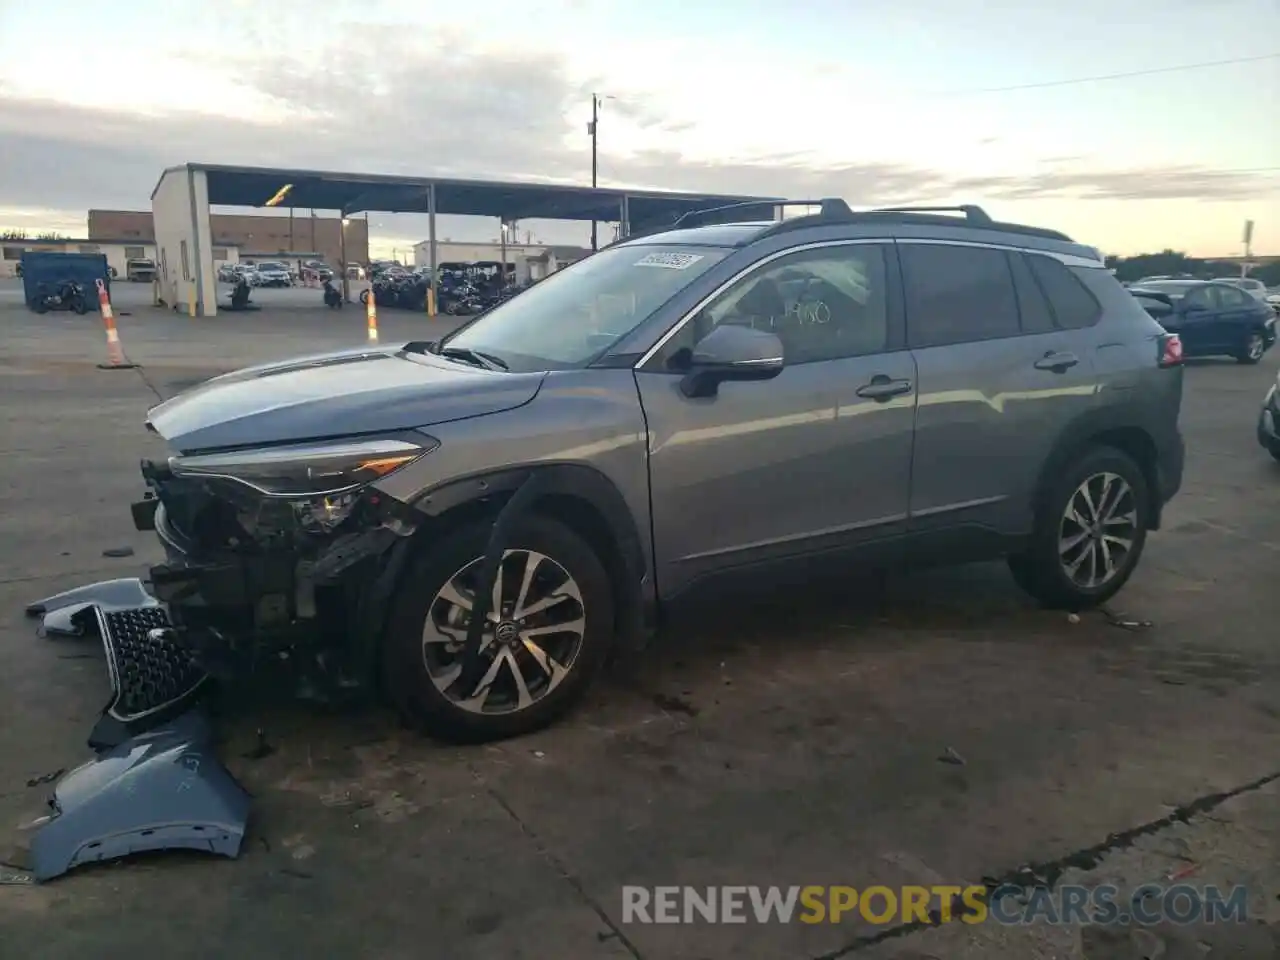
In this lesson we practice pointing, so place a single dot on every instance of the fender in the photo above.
(1083, 431)
(627, 566)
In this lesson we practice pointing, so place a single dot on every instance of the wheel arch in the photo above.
(1102, 429)
(580, 497)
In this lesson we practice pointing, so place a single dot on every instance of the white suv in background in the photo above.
(1254, 288)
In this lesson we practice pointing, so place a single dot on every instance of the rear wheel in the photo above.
(1253, 349)
(41, 305)
(546, 636)
(1090, 534)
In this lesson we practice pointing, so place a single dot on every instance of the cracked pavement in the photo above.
(795, 740)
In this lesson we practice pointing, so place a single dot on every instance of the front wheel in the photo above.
(364, 296)
(1090, 534)
(79, 305)
(1253, 350)
(545, 638)
(41, 305)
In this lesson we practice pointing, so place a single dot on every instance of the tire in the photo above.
(1254, 349)
(41, 305)
(405, 674)
(1040, 569)
(80, 306)
(364, 296)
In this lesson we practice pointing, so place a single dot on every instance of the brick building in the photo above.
(252, 235)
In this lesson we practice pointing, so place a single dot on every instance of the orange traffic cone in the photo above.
(371, 311)
(116, 359)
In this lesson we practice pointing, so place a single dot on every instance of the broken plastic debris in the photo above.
(1073, 618)
(950, 756)
(161, 790)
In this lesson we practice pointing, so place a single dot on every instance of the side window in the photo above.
(823, 304)
(1032, 305)
(1200, 298)
(1231, 298)
(1074, 307)
(957, 294)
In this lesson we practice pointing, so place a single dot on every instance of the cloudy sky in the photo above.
(878, 101)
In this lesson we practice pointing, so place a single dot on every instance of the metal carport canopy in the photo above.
(354, 192)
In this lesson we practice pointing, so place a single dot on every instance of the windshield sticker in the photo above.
(671, 261)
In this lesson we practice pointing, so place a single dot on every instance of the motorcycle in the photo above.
(68, 296)
(332, 296)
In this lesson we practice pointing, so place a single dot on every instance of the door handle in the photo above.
(882, 388)
(1057, 362)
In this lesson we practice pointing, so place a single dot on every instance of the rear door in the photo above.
(1237, 314)
(1000, 377)
(1199, 320)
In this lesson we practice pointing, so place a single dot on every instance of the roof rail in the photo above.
(831, 207)
(975, 217)
(970, 211)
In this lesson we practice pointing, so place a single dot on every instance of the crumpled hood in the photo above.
(335, 394)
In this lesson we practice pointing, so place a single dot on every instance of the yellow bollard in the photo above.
(191, 299)
(431, 301)
(371, 313)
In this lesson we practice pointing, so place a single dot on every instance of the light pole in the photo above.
(505, 227)
(592, 128)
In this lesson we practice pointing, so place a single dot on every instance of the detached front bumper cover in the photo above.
(162, 790)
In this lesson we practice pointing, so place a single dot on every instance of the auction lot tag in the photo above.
(671, 261)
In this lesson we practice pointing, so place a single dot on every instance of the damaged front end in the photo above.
(279, 561)
(274, 555)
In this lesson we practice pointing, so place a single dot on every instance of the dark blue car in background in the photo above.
(1212, 319)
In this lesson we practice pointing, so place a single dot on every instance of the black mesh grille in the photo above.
(151, 674)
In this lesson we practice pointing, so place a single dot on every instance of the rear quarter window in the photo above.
(1073, 306)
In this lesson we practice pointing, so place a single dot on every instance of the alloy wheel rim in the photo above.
(1098, 530)
(1255, 347)
(529, 643)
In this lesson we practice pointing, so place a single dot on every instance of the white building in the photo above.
(532, 261)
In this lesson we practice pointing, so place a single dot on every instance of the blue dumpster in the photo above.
(42, 267)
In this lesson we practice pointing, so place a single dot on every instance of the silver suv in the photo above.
(472, 525)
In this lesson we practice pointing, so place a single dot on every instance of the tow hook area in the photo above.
(155, 782)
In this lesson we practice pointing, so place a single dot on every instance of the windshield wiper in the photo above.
(480, 359)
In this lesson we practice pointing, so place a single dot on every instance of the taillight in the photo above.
(1170, 350)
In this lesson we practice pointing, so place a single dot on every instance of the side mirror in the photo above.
(731, 352)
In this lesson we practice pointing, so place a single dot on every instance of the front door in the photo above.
(815, 459)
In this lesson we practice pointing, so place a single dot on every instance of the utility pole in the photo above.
(591, 129)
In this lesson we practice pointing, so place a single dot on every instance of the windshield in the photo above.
(576, 314)
(271, 266)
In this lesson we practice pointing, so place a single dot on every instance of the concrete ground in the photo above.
(794, 742)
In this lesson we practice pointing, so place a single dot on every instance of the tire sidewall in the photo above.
(405, 679)
(1052, 584)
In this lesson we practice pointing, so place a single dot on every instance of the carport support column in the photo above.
(431, 246)
(624, 223)
(342, 254)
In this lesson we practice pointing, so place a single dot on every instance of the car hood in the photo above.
(342, 393)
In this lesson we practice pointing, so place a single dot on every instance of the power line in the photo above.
(1104, 77)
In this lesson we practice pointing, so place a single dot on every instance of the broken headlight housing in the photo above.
(304, 471)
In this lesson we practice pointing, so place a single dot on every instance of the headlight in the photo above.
(310, 470)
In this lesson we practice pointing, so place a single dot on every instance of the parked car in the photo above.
(1254, 288)
(474, 524)
(1273, 298)
(318, 268)
(140, 270)
(227, 273)
(1212, 318)
(1269, 420)
(269, 273)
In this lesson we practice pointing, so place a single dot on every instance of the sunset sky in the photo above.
(1003, 104)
